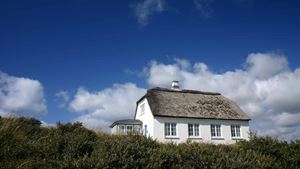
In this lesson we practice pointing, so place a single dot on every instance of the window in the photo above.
(142, 107)
(121, 129)
(235, 131)
(145, 130)
(170, 129)
(193, 130)
(129, 129)
(215, 130)
(137, 128)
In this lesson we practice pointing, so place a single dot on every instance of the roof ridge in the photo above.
(183, 91)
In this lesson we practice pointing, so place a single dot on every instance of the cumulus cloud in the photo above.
(145, 9)
(100, 108)
(62, 98)
(265, 88)
(265, 66)
(21, 96)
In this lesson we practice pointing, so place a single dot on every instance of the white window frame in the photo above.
(214, 128)
(194, 127)
(169, 130)
(235, 130)
(124, 129)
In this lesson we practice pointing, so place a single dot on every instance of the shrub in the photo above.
(25, 144)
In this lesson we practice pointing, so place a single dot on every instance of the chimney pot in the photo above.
(175, 85)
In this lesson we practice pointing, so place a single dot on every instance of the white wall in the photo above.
(147, 118)
(205, 133)
(114, 129)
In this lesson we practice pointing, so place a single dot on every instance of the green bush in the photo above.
(25, 144)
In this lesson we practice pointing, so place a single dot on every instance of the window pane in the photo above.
(121, 129)
(212, 130)
(173, 129)
(218, 133)
(238, 131)
(232, 131)
(235, 131)
(196, 128)
(190, 128)
(167, 129)
(129, 129)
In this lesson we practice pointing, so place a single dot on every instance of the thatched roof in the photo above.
(192, 104)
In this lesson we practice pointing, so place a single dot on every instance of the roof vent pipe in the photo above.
(175, 85)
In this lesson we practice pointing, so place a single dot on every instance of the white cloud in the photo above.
(266, 88)
(286, 119)
(162, 75)
(99, 109)
(266, 126)
(281, 92)
(265, 66)
(183, 63)
(204, 7)
(21, 96)
(63, 98)
(145, 9)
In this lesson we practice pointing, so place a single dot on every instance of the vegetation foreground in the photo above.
(25, 144)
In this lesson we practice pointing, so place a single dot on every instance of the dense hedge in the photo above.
(25, 144)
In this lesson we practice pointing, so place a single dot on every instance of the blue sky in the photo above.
(70, 46)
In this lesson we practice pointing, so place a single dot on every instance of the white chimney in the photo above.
(175, 85)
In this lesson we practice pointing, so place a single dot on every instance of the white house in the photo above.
(174, 115)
